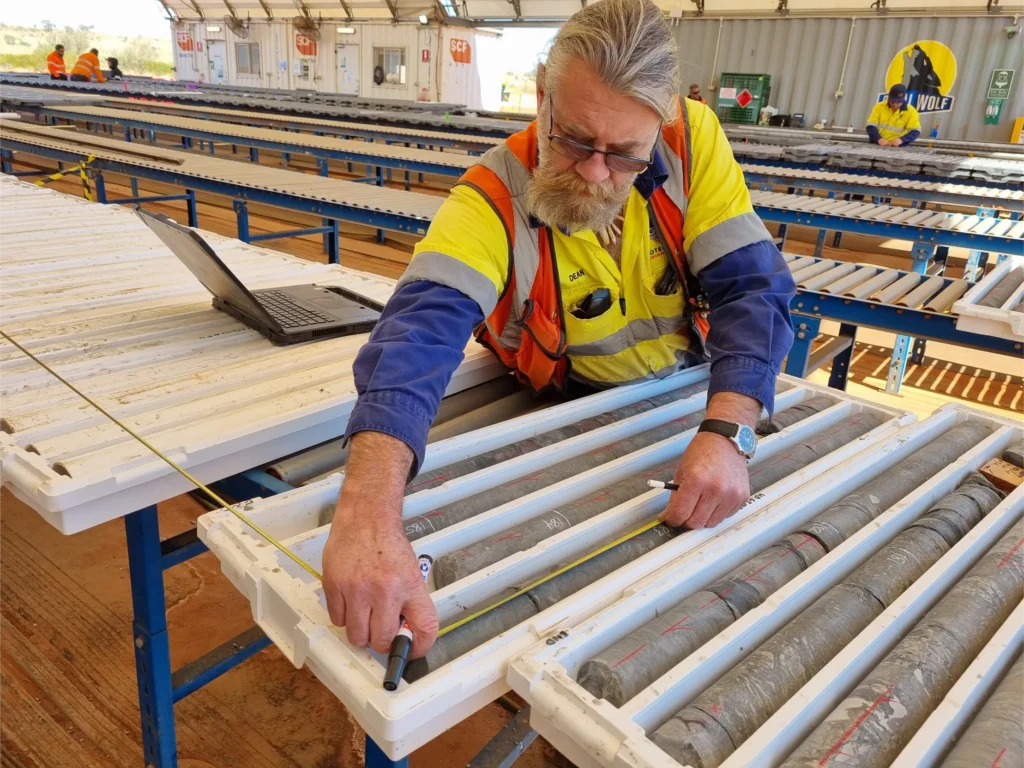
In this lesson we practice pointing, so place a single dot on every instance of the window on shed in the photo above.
(392, 64)
(247, 58)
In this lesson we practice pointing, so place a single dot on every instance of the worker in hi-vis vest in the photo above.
(55, 64)
(87, 67)
(611, 241)
(893, 122)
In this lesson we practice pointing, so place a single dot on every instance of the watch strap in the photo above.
(718, 426)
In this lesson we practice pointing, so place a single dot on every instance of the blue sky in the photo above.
(114, 17)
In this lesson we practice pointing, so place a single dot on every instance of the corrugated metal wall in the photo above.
(805, 59)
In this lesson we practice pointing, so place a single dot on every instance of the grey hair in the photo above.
(628, 44)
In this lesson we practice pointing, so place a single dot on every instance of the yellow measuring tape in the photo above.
(291, 555)
(80, 170)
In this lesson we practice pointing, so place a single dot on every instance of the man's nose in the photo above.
(594, 169)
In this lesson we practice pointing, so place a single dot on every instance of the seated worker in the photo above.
(88, 67)
(893, 122)
(115, 73)
(591, 250)
(55, 64)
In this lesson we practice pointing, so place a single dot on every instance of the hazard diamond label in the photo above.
(743, 98)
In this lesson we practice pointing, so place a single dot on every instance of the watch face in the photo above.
(747, 440)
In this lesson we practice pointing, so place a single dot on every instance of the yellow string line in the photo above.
(295, 558)
(544, 579)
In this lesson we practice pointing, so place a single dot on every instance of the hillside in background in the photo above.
(24, 49)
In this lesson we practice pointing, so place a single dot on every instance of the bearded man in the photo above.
(611, 241)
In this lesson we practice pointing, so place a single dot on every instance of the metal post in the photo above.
(285, 157)
(841, 362)
(254, 155)
(375, 757)
(127, 134)
(135, 186)
(334, 244)
(152, 650)
(6, 156)
(922, 254)
(193, 210)
(242, 217)
(101, 187)
(819, 245)
(213, 147)
(806, 332)
(917, 356)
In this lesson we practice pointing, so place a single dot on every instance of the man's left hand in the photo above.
(713, 483)
(712, 473)
(895, 142)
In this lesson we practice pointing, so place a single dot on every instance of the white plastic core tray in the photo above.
(593, 732)
(289, 605)
(992, 321)
(111, 309)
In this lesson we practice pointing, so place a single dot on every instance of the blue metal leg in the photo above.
(917, 355)
(971, 271)
(837, 239)
(101, 188)
(819, 245)
(242, 217)
(254, 154)
(841, 362)
(922, 253)
(375, 758)
(190, 205)
(6, 156)
(806, 331)
(128, 134)
(152, 650)
(135, 186)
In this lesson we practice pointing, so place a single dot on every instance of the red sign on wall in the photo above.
(425, 54)
(460, 50)
(306, 45)
(185, 41)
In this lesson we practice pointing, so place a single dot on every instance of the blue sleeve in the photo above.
(873, 134)
(749, 291)
(909, 138)
(403, 369)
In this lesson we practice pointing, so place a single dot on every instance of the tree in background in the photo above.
(75, 41)
(136, 56)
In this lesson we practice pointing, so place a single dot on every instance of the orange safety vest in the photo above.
(55, 64)
(538, 356)
(87, 66)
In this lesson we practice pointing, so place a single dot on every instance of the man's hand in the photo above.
(883, 142)
(712, 474)
(895, 142)
(371, 576)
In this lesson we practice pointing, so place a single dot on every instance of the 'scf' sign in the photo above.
(460, 50)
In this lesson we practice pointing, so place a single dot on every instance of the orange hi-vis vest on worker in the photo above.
(55, 64)
(87, 66)
(526, 330)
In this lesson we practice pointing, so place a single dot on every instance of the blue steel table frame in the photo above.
(160, 687)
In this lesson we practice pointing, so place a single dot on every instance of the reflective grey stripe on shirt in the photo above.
(641, 329)
(446, 270)
(725, 237)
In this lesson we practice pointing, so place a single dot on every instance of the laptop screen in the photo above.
(196, 254)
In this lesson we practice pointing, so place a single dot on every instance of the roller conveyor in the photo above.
(373, 154)
(344, 200)
(937, 191)
(949, 229)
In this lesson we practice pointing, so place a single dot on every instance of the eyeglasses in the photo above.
(574, 150)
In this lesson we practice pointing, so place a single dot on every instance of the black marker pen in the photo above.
(668, 486)
(402, 643)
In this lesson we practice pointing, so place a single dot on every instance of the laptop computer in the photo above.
(287, 315)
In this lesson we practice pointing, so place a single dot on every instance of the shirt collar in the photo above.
(647, 183)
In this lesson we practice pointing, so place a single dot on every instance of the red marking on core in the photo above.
(716, 598)
(440, 479)
(1009, 555)
(629, 656)
(995, 763)
(806, 540)
(508, 538)
(751, 576)
(525, 478)
(822, 436)
(834, 749)
(678, 625)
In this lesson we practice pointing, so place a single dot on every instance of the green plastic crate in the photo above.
(727, 108)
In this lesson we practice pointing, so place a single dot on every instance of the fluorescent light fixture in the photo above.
(212, 28)
(423, 19)
(346, 31)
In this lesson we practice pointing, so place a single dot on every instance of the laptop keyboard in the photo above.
(289, 314)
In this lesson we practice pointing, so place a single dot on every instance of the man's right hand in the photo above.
(883, 142)
(371, 576)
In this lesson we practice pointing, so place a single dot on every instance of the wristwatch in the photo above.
(742, 436)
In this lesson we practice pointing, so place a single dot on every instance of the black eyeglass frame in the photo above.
(611, 158)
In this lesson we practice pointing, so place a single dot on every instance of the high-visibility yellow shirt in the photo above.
(894, 123)
(718, 219)
(88, 66)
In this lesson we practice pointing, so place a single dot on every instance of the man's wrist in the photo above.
(735, 407)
